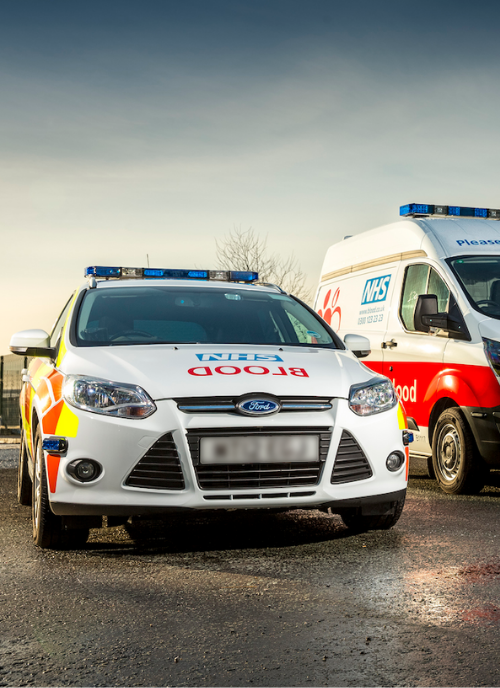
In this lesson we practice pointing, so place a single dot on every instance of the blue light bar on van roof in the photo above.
(165, 273)
(423, 210)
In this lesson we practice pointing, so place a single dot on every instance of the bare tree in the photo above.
(244, 249)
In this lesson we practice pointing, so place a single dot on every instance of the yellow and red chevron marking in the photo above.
(57, 417)
(52, 470)
(402, 419)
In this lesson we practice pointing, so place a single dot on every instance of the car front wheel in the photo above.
(24, 488)
(48, 530)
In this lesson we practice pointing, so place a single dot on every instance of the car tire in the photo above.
(458, 467)
(360, 523)
(24, 487)
(48, 531)
(430, 468)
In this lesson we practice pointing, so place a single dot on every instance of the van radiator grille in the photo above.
(350, 463)
(159, 468)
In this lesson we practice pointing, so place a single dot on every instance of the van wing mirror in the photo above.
(32, 343)
(360, 346)
(427, 316)
(442, 321)
(426, 306)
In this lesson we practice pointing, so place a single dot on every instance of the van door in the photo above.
(412, 359)
(359, 303)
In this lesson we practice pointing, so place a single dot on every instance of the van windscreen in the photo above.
(480, 279)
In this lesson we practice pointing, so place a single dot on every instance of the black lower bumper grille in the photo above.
(236, 476)
(351, 463)
(159, 468)
(258, 475)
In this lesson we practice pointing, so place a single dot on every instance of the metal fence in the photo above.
(10, 388)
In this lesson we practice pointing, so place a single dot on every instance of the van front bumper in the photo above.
(485, 426)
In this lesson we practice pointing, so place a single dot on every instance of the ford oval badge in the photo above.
(258, 406)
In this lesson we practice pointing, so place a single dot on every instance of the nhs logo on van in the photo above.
(376, 289)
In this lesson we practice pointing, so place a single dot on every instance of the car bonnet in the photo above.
(167, 371)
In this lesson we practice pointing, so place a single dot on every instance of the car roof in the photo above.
(205, 284)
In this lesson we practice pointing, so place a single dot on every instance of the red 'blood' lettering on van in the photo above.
(421, 384)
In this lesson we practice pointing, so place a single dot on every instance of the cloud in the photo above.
(133, 128)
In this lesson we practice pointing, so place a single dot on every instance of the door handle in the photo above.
(389, 345)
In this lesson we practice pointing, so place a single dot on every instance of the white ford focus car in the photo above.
(170, 390)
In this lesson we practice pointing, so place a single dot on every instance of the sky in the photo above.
(153, 127)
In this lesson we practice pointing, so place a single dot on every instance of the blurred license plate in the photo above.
(259, 449)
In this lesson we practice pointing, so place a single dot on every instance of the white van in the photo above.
(426, 292)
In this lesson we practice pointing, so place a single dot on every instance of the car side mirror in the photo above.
(32, 343)
(360, 346)
(427, 305)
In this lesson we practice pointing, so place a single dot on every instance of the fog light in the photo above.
(84, 470)
(394, 461)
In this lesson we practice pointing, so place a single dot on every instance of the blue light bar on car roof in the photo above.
(423, 210)
(163, 273)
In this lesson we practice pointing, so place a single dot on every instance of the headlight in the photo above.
(492, 351)
(372, 397)
(108, 398)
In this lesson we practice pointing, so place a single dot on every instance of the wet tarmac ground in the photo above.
(243, 599)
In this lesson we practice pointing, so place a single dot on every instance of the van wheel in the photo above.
(360, 524)
(48, 532)
(457, 465)
(24, 488)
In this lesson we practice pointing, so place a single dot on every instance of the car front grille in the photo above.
(258, 475)
(351, 463)
(159, 468)
(228, 404)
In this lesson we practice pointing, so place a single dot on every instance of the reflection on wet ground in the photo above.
(240, 598)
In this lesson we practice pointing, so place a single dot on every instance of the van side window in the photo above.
(438, 287)
(422, 279)
(56, 330)
(414, 285)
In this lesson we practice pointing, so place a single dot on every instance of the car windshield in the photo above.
(177, 315)
(480, 279)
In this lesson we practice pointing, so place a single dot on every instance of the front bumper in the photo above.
(118, 445)
(485, 425)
